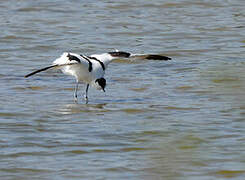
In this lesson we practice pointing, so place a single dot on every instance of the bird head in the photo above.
(101, 83)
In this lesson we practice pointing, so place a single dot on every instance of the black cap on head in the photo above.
(102, 83)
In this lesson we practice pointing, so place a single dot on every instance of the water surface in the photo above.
(181, 119)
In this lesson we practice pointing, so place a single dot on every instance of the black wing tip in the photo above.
(158, 57)
(119, 54)
(149, 57)
(40, 70)
(30, 74)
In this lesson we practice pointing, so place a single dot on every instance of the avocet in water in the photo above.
(91, 69)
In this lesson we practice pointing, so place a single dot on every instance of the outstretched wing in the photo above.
(66, 59)
(118, 54)
(48, 67)
(150, 57)
(40, 70)
(106, 58)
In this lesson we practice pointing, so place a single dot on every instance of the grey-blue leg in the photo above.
(86, 94)
(75, 92)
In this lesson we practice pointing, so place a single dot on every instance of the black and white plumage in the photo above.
(91, 69)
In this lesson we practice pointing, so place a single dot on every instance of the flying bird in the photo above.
(91, 69)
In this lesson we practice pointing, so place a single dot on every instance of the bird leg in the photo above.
(75, 92)
(86, 94)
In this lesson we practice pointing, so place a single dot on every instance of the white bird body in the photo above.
(90, 69)
(80, 69)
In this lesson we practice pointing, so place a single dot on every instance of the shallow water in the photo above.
(181, 119)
